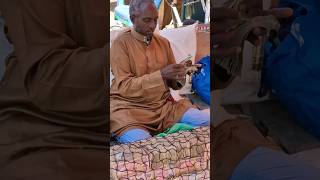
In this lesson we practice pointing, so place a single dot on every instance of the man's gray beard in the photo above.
(149, 37)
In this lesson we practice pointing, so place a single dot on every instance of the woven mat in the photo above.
(182, 155)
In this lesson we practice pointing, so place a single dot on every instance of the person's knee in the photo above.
(133, 135)
(276, 165)
(205, 117)
(196, 117)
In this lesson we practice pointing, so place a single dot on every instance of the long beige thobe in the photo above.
(139, 97)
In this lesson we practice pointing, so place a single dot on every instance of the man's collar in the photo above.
(139, 36)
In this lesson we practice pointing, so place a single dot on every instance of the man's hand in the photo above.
(173, 72)
(253, 8)
(223, 20)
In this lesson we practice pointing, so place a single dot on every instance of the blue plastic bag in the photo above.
(293, 68)
(201, 80)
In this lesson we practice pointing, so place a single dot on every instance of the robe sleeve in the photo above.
(171, 60)
(148, 87)
(58, 73)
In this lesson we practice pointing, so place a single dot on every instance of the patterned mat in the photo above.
(182, 155)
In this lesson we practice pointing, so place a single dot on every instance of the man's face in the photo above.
(145, 21)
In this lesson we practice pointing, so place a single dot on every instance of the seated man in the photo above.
(144, 68)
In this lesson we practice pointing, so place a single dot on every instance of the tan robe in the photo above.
(53, 115)
(139, 97)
